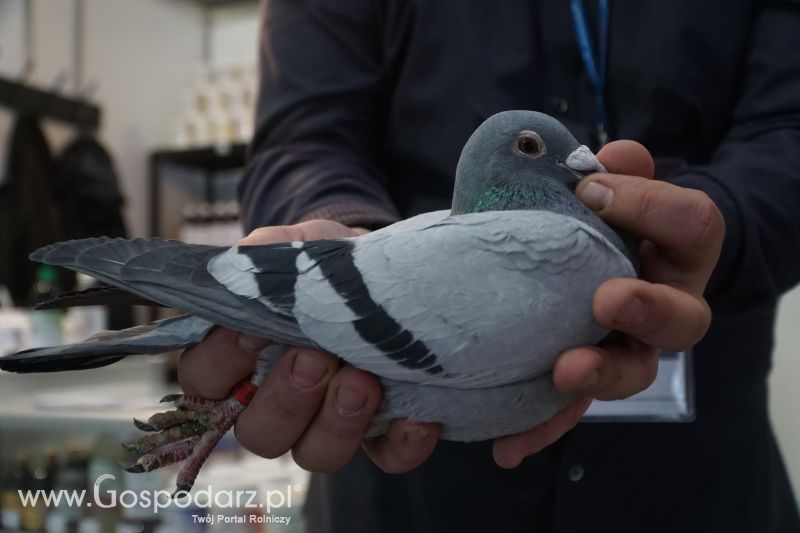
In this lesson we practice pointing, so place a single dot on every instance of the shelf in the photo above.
(25, 99)
(208, 158)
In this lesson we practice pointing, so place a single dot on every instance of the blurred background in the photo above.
(131, 118)
(126, 118)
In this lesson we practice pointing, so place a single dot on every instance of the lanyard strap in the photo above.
(595, 63)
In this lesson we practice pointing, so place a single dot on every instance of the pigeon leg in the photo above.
(226, 416)
(190, 432)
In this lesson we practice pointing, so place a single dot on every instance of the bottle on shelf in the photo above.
(220, 107)
(73, 475)
(51, 465)
(34, 516)
(62, 518)
(16, 515)
(15, 479)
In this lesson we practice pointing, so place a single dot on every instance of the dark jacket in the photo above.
(87, 188)
(364, 108)
(29, 212)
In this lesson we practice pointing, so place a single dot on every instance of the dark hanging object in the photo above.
(88, 191)
(91, 201)
(29, 216)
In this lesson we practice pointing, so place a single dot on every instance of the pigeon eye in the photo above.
(529, 143)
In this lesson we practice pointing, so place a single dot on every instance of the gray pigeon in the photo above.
(460, 313)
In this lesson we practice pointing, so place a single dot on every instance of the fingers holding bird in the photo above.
(211, 369)
(311, 406)
(286, 403)
(628, 158)
(681, 234)
(308, 404)
(509, 451)
(682, 229)
(406, 445)
(614, 371)
(657, 314)
(315, 407)
(337, 429)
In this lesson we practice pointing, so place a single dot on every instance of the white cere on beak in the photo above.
(584, 161)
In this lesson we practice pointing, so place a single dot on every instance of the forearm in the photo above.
(754, 177)
(755, 182)
(319, 130)
(293, 184)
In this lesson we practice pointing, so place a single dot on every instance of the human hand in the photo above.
(310, 403)
(681, 233)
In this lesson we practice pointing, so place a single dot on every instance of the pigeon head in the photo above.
(520, 160)
(526, 160)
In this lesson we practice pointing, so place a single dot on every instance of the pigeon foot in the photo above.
(188, 433)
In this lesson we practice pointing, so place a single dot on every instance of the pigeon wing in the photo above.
(111, 346)
(175, 274)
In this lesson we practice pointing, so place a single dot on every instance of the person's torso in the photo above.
(673, 73)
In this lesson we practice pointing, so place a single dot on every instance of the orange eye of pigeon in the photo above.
(530, 144)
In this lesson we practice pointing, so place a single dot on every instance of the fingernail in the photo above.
(596, 195)
(633, 312)
(307, 370)
(416, 436)
(251, 343)
(349, 401)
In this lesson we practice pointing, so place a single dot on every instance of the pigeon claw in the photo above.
(144, 426)
(166, 437)
(165, 455)
(168, 419)
(181, 491)
(170, 398)
(188, 433)
(133, 468)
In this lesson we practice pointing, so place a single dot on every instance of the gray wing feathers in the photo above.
(497, 295)
(174, 274)
(110, 346)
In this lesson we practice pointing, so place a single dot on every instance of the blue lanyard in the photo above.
(595, 63)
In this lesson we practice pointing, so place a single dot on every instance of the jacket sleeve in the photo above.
(319, 124)
(754, 177)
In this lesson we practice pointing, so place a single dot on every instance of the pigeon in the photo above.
(460, 313)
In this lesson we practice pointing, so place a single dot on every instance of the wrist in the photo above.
(355, 214)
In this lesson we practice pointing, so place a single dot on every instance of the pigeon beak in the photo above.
(583, 161)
